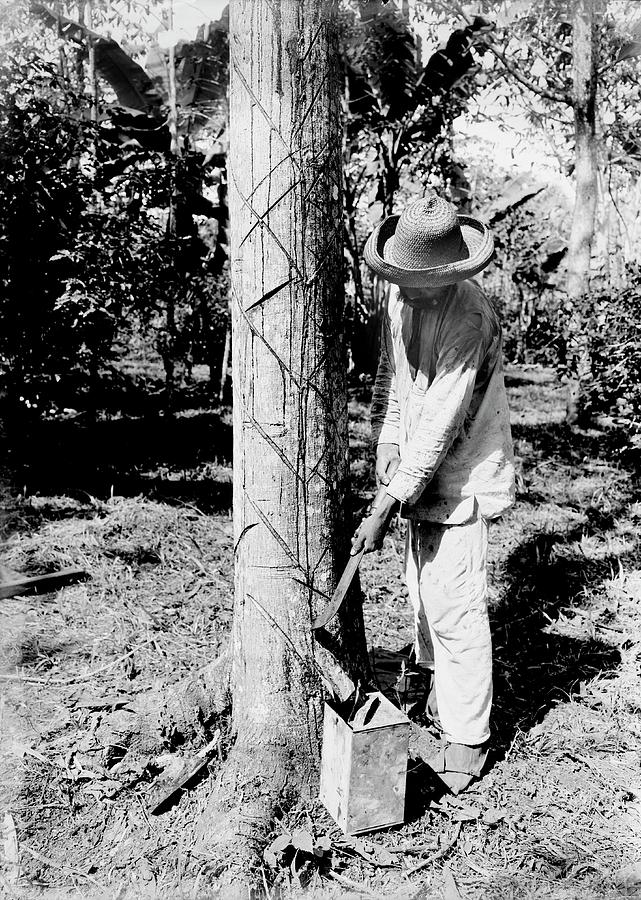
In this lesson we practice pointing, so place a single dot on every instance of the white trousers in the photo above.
(445, 567)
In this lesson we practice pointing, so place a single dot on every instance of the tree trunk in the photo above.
(63, 67)
(585, 57)
(92, 75)
(169, 343)
(290, 411)
(80, 52)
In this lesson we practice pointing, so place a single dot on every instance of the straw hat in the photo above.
(429, 245)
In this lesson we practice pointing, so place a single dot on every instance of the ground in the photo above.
(142, 505)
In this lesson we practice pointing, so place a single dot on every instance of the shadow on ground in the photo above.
(546, 573)
(179, 459)
(533, 668)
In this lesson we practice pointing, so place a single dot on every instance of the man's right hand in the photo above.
(388, 459)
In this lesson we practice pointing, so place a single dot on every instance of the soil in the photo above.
(142, 505)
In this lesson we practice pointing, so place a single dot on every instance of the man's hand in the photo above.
(370, 533)
(387, 462)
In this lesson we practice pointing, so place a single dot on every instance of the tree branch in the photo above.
(549, 42)
(556, 97)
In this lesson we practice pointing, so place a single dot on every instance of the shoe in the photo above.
(458, 765)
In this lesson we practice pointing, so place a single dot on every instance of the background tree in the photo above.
(587, 28)
(556, 53)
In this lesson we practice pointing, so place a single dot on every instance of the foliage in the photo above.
(43, 188)
(530, 243)
(534, 54)
(614, 326)
(88, 260)
(399, 111)
(299, 851)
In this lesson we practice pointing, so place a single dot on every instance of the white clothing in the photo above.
(446, 579)
(440, 396)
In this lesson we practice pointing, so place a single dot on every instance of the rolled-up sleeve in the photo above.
(385, 414)
(443, 409)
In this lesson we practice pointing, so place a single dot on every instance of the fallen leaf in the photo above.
(270, 858)
(324, 844)
(280, 843)
(416, 848)
(372, 853)
(450, 887)
(108, 789)
(629, 51)
(466, 814)
(302, 840)
(629, 877)
(493, 816)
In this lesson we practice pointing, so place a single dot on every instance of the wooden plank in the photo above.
(40, 584)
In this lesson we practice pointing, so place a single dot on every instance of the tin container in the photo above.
(364, 764)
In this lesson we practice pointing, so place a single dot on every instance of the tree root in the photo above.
(253, 787)
(186, 712)
(161, 720)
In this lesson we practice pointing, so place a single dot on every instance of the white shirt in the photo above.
(440, 395)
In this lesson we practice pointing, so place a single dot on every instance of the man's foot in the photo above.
(458, 765)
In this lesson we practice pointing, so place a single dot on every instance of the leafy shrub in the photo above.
(615, 330)
(88, 263)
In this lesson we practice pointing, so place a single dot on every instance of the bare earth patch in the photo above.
(558, 814)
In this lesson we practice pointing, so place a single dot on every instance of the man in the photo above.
(440, 422)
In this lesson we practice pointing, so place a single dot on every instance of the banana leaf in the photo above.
(131, 84)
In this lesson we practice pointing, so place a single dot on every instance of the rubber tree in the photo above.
(289, 409)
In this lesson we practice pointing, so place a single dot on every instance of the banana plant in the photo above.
(200, 73)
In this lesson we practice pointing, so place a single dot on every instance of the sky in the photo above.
(189, 15)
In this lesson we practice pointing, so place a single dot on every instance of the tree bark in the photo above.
(585, 58)
(290, 411)
(92, 74)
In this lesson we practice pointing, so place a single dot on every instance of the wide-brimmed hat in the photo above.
(429, 245)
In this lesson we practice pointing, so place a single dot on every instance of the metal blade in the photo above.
(339, 594)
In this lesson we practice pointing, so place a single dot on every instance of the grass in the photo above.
(557, 816)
